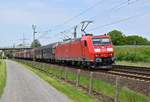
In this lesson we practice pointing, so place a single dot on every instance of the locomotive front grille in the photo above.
(98, 60)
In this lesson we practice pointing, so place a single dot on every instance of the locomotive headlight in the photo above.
(110, 49)
(97, 50)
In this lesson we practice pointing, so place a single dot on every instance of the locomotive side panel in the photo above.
(76, 51)
(71, 51)
(87, 49)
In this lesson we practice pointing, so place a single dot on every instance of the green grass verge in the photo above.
(71, 91)
(2, 76)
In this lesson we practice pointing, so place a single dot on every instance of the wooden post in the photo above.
(65, 76)
(117, 89)
(41, 66)
(60, 74)
(78, 77)
(44, 66)
(91, 83)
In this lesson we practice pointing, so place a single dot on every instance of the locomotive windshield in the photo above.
(101, 41)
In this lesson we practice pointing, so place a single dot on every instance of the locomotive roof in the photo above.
(49, 45)
(68, 41)
(101, 36)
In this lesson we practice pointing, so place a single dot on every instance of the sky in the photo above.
(54, 16)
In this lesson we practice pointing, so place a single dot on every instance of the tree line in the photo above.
(118, 38)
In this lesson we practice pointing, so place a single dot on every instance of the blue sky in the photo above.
(17, 17)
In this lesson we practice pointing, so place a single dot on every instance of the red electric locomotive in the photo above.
(95, 51)
(89, 50)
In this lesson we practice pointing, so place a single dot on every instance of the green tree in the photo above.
(117, 37)
(35, 44)
(137, 40)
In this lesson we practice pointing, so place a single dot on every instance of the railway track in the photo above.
(139, 73)
(132, 69)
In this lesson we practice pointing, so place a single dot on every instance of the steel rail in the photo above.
(145, 71)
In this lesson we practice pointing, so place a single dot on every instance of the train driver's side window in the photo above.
(85, 43)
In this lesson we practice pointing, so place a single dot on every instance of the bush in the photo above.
(133, 53)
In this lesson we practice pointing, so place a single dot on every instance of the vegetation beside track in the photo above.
(139, 64)
(105, 88)
(126, 95)
(2, 76)
(133, 53)
(71, 91)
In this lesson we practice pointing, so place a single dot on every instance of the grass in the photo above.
(133, 53)
(126, 95)
(2, 76)
(140, 64)
(71, 91)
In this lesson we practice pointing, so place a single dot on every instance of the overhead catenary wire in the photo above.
(42, 36)
(62, 34)
(95, 5)
(116, 7)
(121, 20)
(44, 33)
(98, 3)
(81, 13)
(128, 3)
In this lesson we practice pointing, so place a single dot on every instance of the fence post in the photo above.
(78, 77)
(44, 66)
(91, 83)
(60, 74)
(65, 74)
(32, 64)
(40, 64)
(117, 92)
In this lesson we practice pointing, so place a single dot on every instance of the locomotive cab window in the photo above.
(85, 43)
(101, 41)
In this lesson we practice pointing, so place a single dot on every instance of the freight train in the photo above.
(89, 50)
